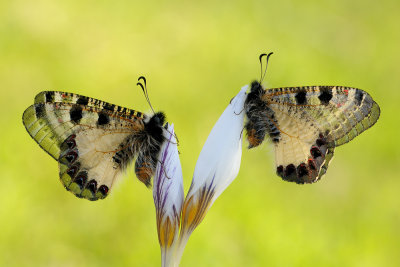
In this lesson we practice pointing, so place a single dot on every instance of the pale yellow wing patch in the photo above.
(94, 150)
(302, 154)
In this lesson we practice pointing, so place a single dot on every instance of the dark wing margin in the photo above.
(71, 98)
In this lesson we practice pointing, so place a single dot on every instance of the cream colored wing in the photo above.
(86, 164)
(312, 121)
(84, 139)
(302, 154)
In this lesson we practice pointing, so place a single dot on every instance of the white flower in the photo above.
(216, 167)
(168, 195)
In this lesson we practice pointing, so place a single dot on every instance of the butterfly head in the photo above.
(157, 120)
(254, 96)
(155, 124)
(256, 87)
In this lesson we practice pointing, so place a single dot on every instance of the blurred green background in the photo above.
(196, 56)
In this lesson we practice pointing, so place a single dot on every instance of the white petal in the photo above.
(217, 166)
(168, 195)
(219, 160)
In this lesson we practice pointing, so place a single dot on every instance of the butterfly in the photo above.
(306, 124)
(94, 141)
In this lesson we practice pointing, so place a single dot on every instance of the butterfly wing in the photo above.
(312, 121)
(84, 135)
(71, 98)
(301, 155)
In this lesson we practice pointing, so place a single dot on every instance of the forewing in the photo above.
(313, 120)
(83, 139)
(340, 113)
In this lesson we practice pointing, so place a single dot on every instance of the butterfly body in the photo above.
(305, 125)
(94, 141)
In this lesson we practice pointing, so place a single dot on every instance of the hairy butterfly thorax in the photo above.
(261, 118)
(94, 141)
(306, 123)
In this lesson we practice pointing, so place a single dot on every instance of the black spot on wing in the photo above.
(290, 169)
(109, 106)
(92, 186)
(83, 100)
(72, 171)
(302, 170)
(103, 119)
(49, 97)
(81, 178)
(279, 170)
(289, 173)
(311, 165)
(325, 95)
(39, 110)
(103, 189)
(301, 97)
(359, 97)
(71, 156)
(321, 141)
(76, 113)
(315, 152)
(70, 142)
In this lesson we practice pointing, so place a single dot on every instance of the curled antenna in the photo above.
(144, 89)
(262, 75)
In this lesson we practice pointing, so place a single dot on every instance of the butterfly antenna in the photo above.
(144, 89)
(262, 75)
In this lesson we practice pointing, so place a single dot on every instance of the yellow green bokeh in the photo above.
(196, 55)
